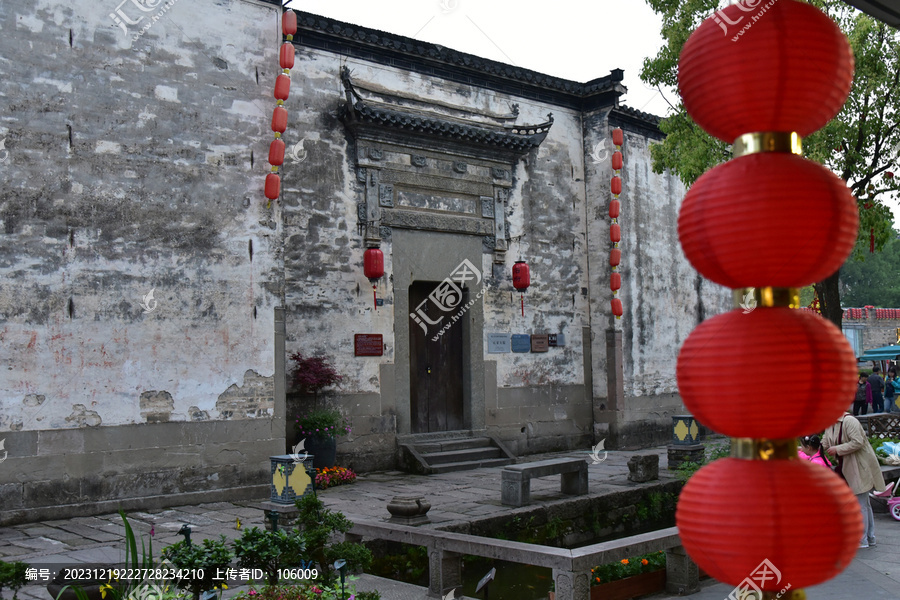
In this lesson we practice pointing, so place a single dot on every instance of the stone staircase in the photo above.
(433, 453)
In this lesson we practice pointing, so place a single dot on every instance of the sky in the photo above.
(572, 39)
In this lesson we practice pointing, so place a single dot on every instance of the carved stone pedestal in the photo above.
(408, 510)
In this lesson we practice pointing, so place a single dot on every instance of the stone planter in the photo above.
(323, 450)
(408, 510)
(628, 588)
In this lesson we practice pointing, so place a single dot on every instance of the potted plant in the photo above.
(319, 429)
(312, 374)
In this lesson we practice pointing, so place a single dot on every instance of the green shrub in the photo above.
(12, 576)
(318, 525)
(645, 563)
(269, 551)
(210, 556)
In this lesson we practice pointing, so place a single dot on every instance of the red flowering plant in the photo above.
(332, 476)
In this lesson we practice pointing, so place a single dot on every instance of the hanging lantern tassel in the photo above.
(521, 280)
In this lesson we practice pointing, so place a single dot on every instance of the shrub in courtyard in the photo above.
(197, 559)
(628, 567)
(12, 576)
(269, 551)
(318, 525)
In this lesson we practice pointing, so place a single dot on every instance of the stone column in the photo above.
(682, 573)
(571, 585)
(444, 571)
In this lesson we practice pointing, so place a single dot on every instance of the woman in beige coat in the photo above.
(846, 440)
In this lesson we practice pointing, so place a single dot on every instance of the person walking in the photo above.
(863, 397)
(877, 384)
(890, 393)
(846, 441)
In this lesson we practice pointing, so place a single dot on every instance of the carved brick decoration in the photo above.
(417, 161)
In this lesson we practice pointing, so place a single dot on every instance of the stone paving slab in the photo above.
(91, 533)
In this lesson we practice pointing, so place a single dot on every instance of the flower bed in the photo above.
(331, 476)
(628, 567)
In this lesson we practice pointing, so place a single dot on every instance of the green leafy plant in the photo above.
(711, 453)
(318, 525)
(12, 576)
(199, 559)
(269, 551)
(628, 567)
(322, 423)
(308, 591)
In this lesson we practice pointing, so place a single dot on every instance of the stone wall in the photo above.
(139, 270)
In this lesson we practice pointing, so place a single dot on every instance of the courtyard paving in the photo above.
(455, 497)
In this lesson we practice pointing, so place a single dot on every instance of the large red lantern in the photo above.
(735, 513)
(728, 232)
(273, 186)
(819, 383)
(286, 56)
(615, 185)
(279, 119)
(521, 279)
(617, 162)
(289, 23)
(615, 233)
(615, 257)
(618, 137)
(616, 307)
(276, 152)
(282, 87)
(373, 267)
(790, 71)
(614, 207)
(615, 281)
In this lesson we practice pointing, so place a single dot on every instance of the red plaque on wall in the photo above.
(368, 344)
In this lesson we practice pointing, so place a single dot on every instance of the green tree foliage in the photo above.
(861, 144)
(875, 281)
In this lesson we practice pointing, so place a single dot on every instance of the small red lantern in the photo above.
(373, 267)
(614, 207)
(618, 137)
(279, 119)
(289, 23)
(276, 152)
(615, 281)
(615, 233)
(617, 307)
(282, 87)
(770, 523)
(615, 257)
(286, 56)
(616, 185)
(273, 186)
(521, 279)
(762, 83)
(617, 161)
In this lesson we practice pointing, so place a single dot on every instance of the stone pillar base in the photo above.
(287, 515)
(679, 454)
(682, 574)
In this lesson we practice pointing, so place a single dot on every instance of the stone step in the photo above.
(454, 444)
(463, 455)
(467, 466)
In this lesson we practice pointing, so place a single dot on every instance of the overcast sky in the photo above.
(573, 39)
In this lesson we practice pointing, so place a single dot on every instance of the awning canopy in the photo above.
(883, 353)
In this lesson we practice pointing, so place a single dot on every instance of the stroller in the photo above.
(893, 500)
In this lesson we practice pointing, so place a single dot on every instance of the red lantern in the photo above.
(616, 185)
(615, 281)
(760, 82)
(282, 87)
(289, 22)
(738, 222)
(614, 207)
(618, 137)
(818, 385)
(286, 56)
(769, 521)
(273, 186)
(615, 257)
(279, 119)
(276, 152)
(521, 275)
(617, 161)
(617, 307)
(615, 233)
(373, 263)
(521, 279)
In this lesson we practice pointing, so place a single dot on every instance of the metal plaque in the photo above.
(368, 344)
(498, 343)
(521, 342)
(540, 342)
(557, 339)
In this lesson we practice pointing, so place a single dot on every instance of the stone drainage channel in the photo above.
(537, 546)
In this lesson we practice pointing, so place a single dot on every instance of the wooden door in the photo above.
(435, 366)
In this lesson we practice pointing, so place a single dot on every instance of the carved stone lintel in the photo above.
(460, 167)
(417, 161)
(499, 173)
(376, 153)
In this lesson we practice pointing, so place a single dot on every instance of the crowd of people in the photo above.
(879, 394)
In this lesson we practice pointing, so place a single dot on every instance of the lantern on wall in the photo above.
(521, 280)
(373, 267)
(279, 116)
(615, 230)
(782, 79)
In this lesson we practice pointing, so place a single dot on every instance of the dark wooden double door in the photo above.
(435, 366)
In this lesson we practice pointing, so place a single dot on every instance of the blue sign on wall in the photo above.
(521, 342)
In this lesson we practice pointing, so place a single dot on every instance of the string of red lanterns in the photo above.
(280, 116)
(615, 231)
(785, 78)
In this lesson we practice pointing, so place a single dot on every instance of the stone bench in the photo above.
(516, 479)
